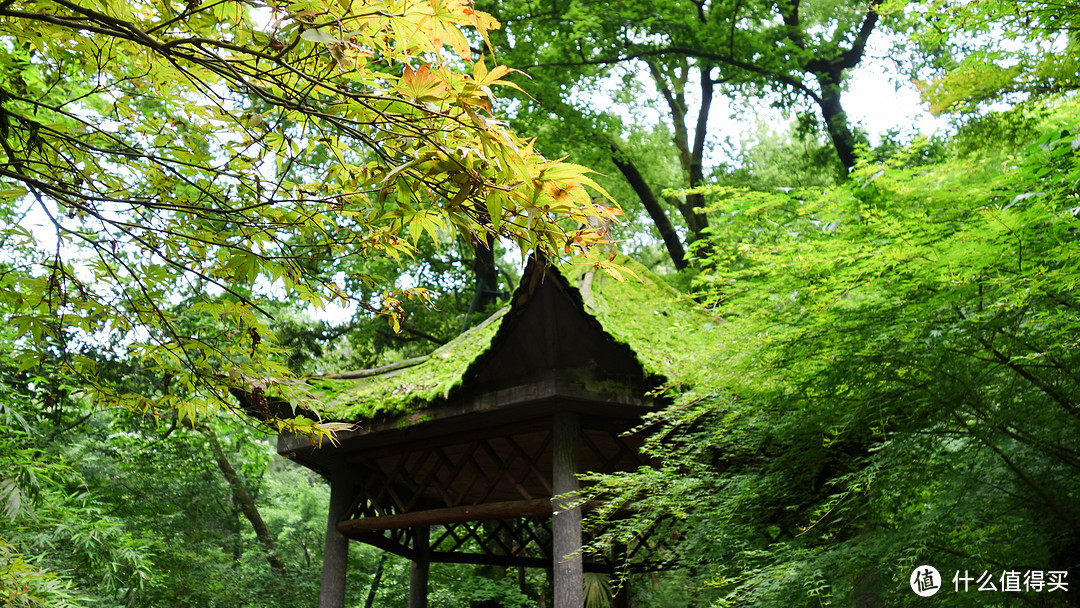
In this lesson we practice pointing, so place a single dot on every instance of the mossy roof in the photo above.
(400, 391)
(671, 335)
(653, 319)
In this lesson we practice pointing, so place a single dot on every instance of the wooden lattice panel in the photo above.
(481, 470)
(488, 496)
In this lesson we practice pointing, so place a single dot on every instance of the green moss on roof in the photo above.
(403, 390)
(669, 334)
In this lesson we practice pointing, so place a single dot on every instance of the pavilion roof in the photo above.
(647, 320)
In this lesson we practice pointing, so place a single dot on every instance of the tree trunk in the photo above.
(245, 502)
(374, 589)
(652, 206)
(696, 221)
(336, 548)
(566, 517)
(486, 291)
(420, 568)
(673, 89)
(830, 75)
(836, 122)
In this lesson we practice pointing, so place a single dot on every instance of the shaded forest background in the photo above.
(892, 354)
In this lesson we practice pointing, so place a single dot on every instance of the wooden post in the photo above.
(566, 520)
(418, 572)
(336, 549)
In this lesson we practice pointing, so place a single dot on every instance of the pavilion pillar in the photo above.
(566, 518)
(418, 571)
(336, 549)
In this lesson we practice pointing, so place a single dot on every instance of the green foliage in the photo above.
(996, 50)
(234, 156)
(793, 158)
(894, 384)
(107, 508)
(597, 591)
(23, 584)
(502, 592)
(51, 514)
(884, 375)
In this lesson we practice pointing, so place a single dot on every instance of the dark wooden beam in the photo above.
(484, 559)
(448, 515)
(376, 539)
(548, 391)
(510, 561)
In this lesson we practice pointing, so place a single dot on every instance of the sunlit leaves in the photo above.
(238, 157)
(1000, 50)
(895, 383)
(24, 584)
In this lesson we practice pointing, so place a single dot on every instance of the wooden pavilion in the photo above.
(472, 454)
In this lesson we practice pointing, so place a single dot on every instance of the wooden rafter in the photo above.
(448, 515)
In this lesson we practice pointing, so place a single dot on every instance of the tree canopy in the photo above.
(976, 54)
(688, 53)
(239, 156)
(892, 383)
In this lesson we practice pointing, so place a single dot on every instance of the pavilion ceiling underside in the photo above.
(487, 499)
(518, 542)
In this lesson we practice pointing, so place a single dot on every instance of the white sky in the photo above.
(873, 99)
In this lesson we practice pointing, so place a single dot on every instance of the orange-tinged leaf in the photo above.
(566, 194)
(485, 77)
(421, 83)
